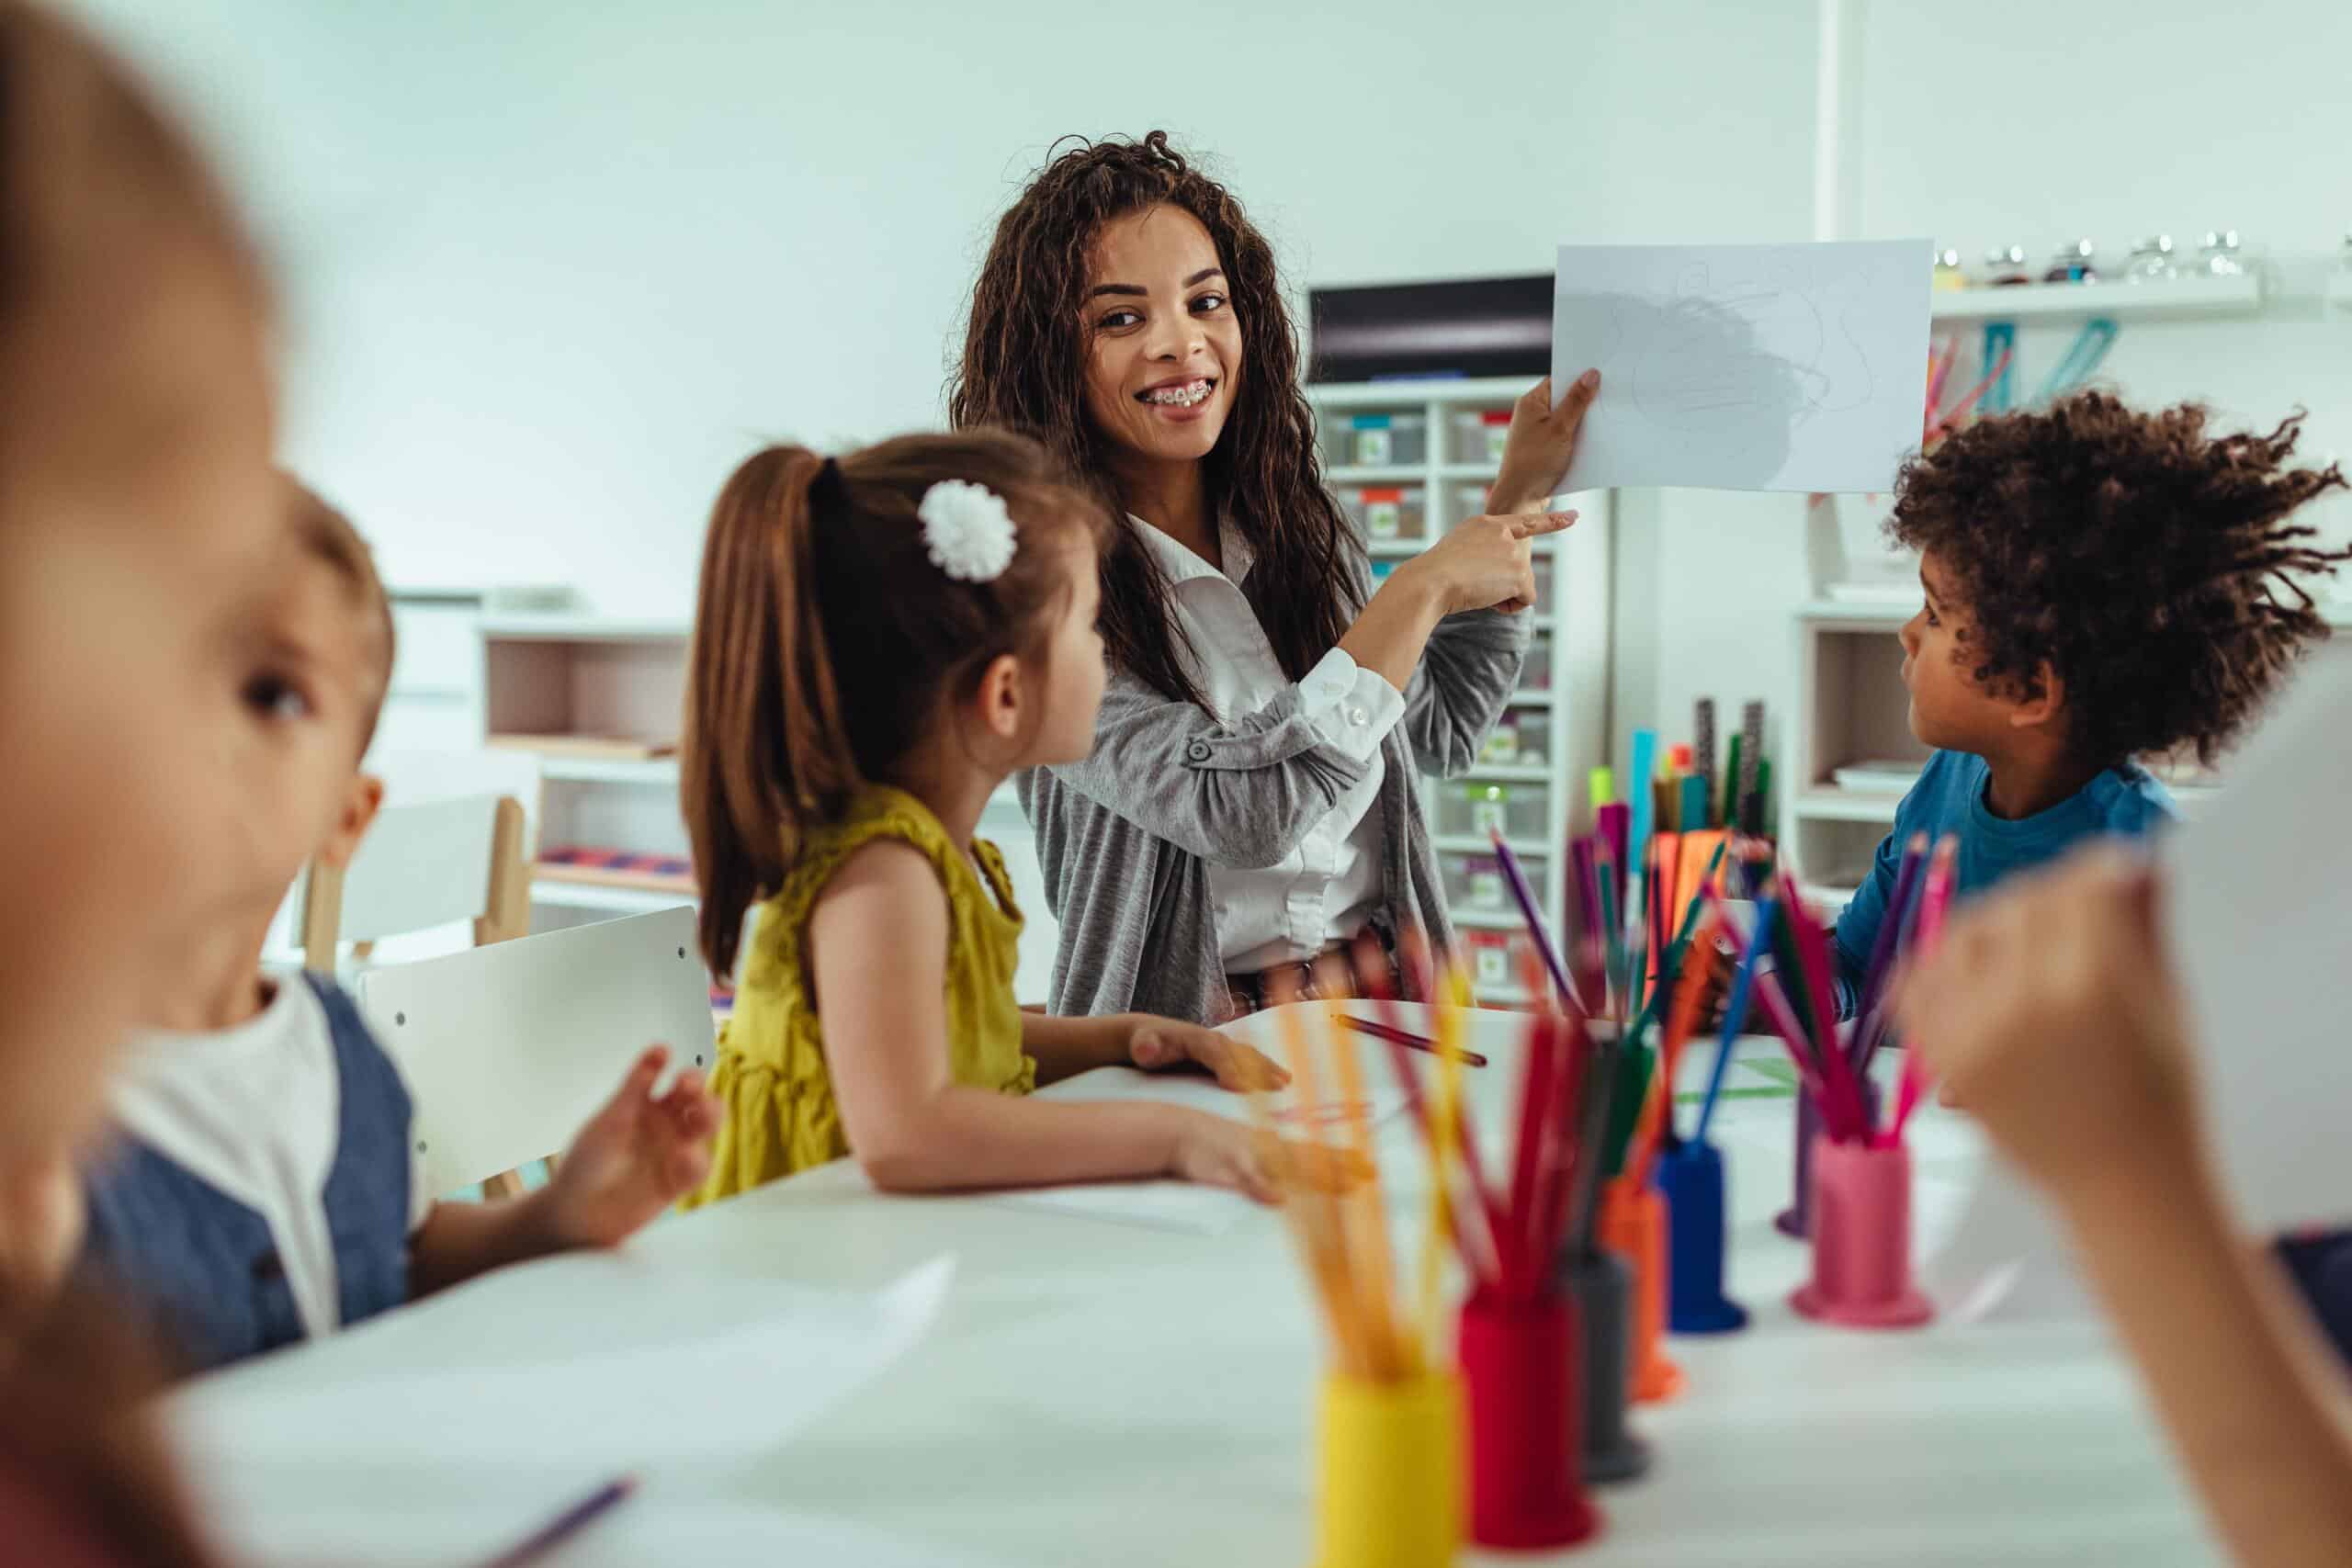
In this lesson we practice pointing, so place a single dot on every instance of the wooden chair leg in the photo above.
(509, 914)
(322, 916)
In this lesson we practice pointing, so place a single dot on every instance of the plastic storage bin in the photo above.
(1535, 675)
(1479, 435)
(1387, 511)
(1474, 885)
(1477, 806)
(1383, 440)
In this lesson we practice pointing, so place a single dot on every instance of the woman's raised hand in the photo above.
(1542, 442)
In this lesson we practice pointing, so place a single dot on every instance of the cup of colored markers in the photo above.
(1862, 1237)
(1521, 1364)
(1390, 1490)
(1602, 1287)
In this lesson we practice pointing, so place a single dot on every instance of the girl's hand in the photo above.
(1156, 1044)
(1484, 563)
(1542, 442)
(633, 1158)
(2048, 1009)
(1216, 1152)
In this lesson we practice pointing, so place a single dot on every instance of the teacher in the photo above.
(1250, 801)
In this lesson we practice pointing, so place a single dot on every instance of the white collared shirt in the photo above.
(1329, 883)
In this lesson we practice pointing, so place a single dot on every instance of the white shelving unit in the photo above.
(2118, 299)
(1851, 708)
(1422, 449)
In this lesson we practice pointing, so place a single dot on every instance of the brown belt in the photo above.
(1247, 994)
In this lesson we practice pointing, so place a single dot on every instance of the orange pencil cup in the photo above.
(1633, 1225)
(1390, 1495)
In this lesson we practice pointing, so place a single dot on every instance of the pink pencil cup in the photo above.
(1861, 1238)
(1520, 1362)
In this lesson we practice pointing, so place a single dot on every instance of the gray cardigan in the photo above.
(1125, 838)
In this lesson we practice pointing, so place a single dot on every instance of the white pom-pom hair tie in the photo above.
(966, 530)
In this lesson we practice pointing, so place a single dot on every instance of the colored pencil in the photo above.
(1537, 929)
(1405, 1037)
(1735, 1009)
(536, 1547)
(1882, 951)
(1485, 1266)
(1933, 903)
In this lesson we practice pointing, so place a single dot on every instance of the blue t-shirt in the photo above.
(1949, 799)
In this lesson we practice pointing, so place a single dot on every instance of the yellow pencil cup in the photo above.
(1391, 1492)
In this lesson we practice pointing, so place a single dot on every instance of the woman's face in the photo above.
(1163, 356)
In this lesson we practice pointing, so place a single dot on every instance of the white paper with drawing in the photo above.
(1768, 368)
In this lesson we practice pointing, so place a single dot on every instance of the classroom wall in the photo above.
(552, 270)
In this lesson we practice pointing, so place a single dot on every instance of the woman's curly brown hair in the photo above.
(2151, 563)
(1023, 369)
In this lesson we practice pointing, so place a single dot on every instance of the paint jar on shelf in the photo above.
(2152, 260)
(1475, 883)
(2222, 257)
(2075, 263)
(1948, 273)
(2005, 267)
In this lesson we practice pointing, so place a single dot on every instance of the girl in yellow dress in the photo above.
(881, 641)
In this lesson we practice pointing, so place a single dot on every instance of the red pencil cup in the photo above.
(1861, 1238)
(1520, 1365)
(1633, 1225)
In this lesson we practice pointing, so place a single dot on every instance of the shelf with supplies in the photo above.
(2115, 299)
(559, 893)
(1408, 460)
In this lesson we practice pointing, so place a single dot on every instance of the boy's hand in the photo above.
(1156, 1044)
(633, 1158)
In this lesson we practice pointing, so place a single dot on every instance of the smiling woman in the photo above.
(1249, 803)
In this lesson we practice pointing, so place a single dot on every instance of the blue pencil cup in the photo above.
(1691, 1176)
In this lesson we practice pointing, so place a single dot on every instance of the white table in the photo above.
(1097, 1394)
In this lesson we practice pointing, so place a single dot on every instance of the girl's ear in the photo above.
(1002, 698)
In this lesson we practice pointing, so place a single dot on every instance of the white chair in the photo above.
(508, 1049)
(435, 863)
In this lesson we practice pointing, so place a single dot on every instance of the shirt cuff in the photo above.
(1350, 707)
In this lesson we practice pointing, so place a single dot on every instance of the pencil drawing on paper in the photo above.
(1762, 367)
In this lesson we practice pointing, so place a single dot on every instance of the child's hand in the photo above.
(1215, 1152)
(635, 1157)
(40, 1226)
(2049, 1008)
(1156, 1044)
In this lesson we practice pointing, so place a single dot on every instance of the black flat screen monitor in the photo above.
(1485, 326)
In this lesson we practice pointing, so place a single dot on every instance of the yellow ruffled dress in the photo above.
(779, 1113)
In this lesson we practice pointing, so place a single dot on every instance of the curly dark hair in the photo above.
(1023, 368)
(2150, 562)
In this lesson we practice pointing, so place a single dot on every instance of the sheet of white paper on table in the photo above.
(1179, 1205)
(1757, 368)
(654, 1526)
(2258, 915)
(539, 1382)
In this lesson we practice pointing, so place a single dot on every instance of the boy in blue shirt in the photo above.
(2101, 586)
